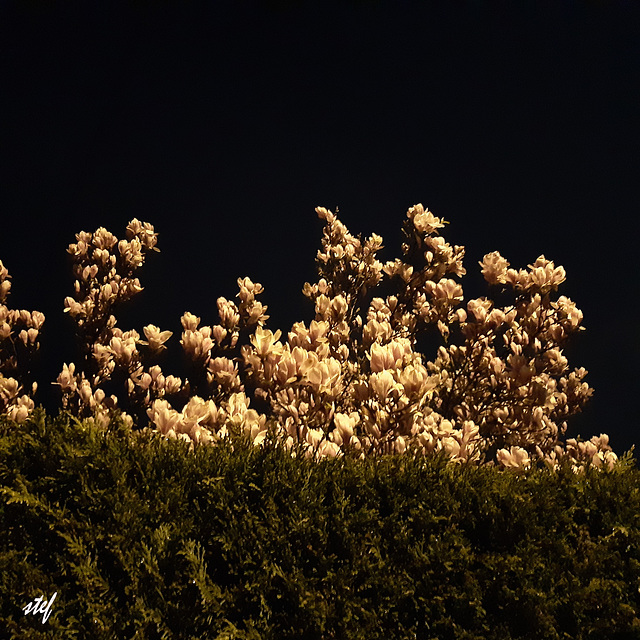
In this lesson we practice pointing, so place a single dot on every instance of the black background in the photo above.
(225, 124)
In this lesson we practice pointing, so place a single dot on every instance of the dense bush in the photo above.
(142, 538)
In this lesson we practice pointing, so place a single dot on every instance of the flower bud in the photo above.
(4, 289)
(5, 331)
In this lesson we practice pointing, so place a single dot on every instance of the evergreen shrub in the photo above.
(142, 538)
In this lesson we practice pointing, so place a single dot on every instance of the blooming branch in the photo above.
(352, 381)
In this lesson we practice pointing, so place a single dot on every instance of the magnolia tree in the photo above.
(18, 343)
(352, 382)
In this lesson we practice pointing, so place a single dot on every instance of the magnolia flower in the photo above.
(144, 232)
(219, 334)
(345, 424)
(189, 321)
(423, 220)
(21, 409)
(263, 340)
(9, 388)
(321, 375)
(328, 449)
(66, 379)
(155, 337)
(382, 383)
(479, 308)
(197, 343)
(416, 381)
(4, 289)
(74, 308)
(163, 416)
(228, 312)
(494, 268)
(314, 437)
(5, 330)
(123, 349)
(514, 457)
(286, 370)
(37, 320)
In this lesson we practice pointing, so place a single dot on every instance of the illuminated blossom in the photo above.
(349, 381)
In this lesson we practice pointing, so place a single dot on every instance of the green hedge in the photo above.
(141, 538)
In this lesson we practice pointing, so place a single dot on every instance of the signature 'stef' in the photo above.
(40, 605)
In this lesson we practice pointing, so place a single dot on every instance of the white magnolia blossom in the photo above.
(346, 382)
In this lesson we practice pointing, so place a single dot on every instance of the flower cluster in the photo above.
(352, 382)
(104, 268)
(18, 342)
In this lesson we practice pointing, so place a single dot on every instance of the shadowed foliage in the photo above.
(142, 538)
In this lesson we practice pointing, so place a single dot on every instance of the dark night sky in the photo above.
(225, 124)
